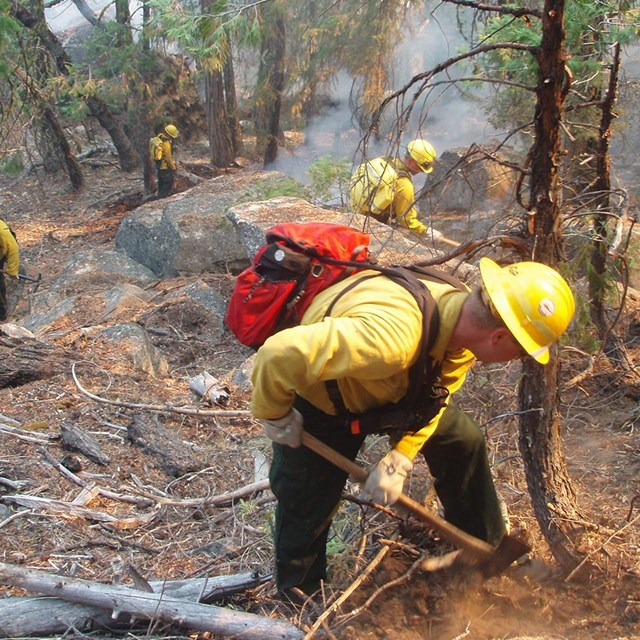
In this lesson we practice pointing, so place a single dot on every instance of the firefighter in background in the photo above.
(9, 266)
(166, 165)
(383, 188)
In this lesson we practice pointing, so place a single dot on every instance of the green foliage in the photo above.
(8, 28)
(12, 164)
(330, 176)
(340, 544)
(275, 188)
(205, 36)
(591, 29)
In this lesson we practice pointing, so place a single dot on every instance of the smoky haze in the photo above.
(444, 117)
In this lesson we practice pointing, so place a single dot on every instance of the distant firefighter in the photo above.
(383, 187)
(162, 153)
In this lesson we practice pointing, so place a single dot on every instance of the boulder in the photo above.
(192, 233)
(469, 179)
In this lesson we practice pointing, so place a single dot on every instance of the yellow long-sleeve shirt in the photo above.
(9, 250)
(368, 345)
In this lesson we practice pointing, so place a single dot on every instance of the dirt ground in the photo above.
(378, 579)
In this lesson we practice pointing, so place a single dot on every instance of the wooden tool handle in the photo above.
(478, 548)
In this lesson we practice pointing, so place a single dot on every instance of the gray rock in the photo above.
(92, 271)
(136, 344)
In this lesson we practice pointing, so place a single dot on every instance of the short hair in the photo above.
(481, 311)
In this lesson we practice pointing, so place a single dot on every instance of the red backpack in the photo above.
(298, 261)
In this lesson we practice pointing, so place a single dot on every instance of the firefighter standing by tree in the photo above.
(9, 265)
(367, 345)
(163, 155)
(383, 187)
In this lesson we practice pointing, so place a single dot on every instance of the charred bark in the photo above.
(228, 73)
(554, 500)
(613, 345)
(27, 360)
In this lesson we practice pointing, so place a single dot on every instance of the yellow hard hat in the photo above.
(171, 130)
(533, 300)
(423, 153)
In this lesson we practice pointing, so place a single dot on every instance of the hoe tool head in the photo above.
(507, 552)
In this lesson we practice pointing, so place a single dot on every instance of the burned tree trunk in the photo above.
(150, 606)
(554, 500)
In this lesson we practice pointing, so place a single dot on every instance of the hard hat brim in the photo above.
(497, 283)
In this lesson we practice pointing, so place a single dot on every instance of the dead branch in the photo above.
(149, 606)
(69, 509)
(513, 242)
(105, 493)
(26, 436)
(159, 408)
(348, 591)
(224, 498)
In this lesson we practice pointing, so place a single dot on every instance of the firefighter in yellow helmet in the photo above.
(9, 266)
(366, 346)
(383, 187)
(166, 165)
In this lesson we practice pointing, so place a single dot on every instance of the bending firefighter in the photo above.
(363, 349)
(164, 159)
(9, 266)
(383, 187)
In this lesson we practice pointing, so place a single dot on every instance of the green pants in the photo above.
(308, 490)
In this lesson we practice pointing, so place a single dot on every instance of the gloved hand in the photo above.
(386, 479)
(435, 234)
(287, 430)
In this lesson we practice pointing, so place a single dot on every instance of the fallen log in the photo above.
(150, 606)
(30, 616)
(26, 360)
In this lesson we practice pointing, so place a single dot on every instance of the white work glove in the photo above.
(386, 479)
(287, 430)
(435, 234)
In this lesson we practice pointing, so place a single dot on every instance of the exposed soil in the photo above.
(398, 600)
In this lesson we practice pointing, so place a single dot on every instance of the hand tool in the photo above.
(488, 560)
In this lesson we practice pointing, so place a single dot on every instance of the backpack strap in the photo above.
(425, 396)
(332, 385)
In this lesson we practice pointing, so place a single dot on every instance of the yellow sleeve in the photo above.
(454, 371)
(404, 208)
(9, 249)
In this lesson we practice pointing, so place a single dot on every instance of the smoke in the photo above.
(66, 15)
(444, 116)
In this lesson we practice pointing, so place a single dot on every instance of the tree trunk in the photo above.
(27, 360)
(228, 73)
(613, 346)
(123, 20)
(59, 141)
(270, 84)
(539, 440)
(30, 616)
(220, 145)
(126, 154)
